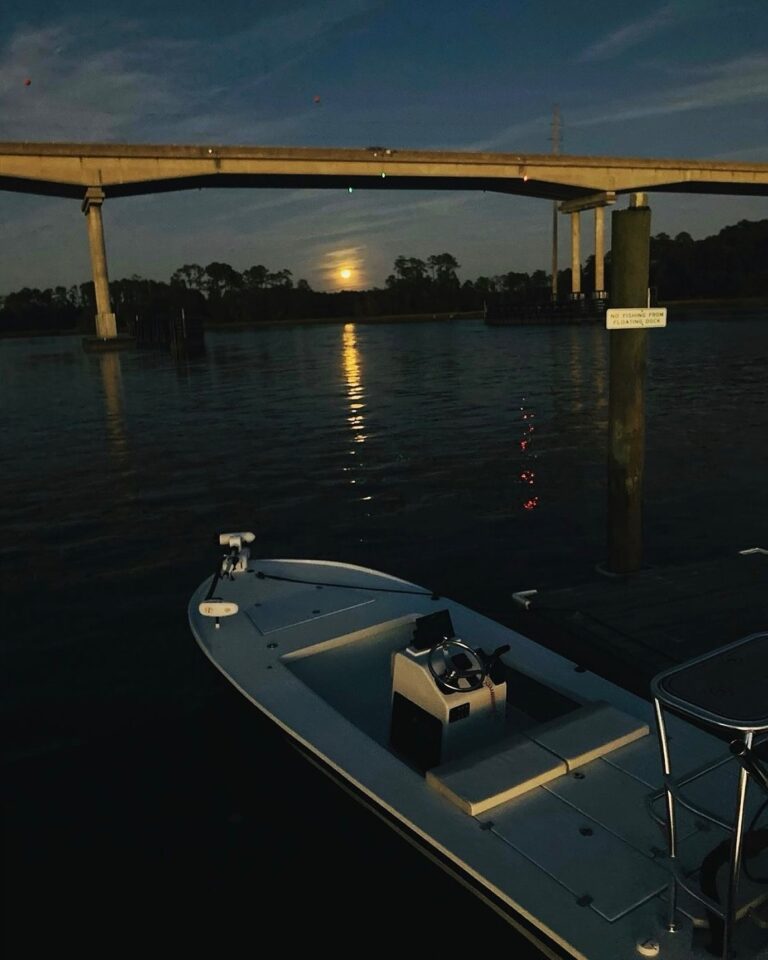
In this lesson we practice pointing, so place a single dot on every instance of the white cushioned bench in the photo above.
(506, 770)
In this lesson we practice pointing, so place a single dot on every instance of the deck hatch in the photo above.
(578, 853)
(618, 802)
(304, 604)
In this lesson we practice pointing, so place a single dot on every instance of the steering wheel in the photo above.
(472, 672)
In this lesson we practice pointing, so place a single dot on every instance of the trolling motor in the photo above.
(235, 560)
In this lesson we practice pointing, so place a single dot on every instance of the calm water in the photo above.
(468, 459)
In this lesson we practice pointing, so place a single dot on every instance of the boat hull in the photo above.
(311, 647)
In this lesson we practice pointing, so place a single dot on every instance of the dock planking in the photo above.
(628, 629)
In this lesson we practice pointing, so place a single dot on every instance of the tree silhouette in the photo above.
(191, 275)
(219, 278)
(732, 263)
(254, 278)
(443, 267)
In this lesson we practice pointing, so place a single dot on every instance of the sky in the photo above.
(684, 78)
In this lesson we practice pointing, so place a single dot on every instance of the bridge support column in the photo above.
(626, 400)
(599, 252)
(596, 202)
(554, 252)
(575, 255)
(106, 325)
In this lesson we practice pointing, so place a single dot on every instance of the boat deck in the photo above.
(593, 832)
(579, 859)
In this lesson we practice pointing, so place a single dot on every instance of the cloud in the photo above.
(729, 83)
(630, 34)
(125, 83)
(79, 90)
(350, 259)
(512, 138)
(340, 218)
(294, 33)
(745, 154)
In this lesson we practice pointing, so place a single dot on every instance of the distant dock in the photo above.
(182, 335)
(501, 312)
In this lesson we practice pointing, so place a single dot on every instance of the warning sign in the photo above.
(633, 318)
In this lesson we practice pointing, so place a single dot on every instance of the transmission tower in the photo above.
(556, 140)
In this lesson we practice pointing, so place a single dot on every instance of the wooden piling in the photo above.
(631, 230)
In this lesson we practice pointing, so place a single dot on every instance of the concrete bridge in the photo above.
(94, 172)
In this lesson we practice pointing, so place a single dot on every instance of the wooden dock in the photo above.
(183, 335)
(503, 311)
(628, 629)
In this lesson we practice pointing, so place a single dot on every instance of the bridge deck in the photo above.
(68, 169)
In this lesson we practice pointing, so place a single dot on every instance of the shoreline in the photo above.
(294, 321)
(384, 318)
(735, 303)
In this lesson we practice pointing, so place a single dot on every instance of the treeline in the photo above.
(734, 263)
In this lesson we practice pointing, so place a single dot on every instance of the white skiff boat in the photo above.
(539, 784)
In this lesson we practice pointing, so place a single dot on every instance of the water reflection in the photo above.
(353, 380)
(599, 348)
(587, 361)
(576, 369)
(587, 368)
(112, 382)
(527, 475)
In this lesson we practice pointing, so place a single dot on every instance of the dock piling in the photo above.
(631, 231)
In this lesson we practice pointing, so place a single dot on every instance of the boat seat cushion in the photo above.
(590, 732)
(496, 774)
(508, 769)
